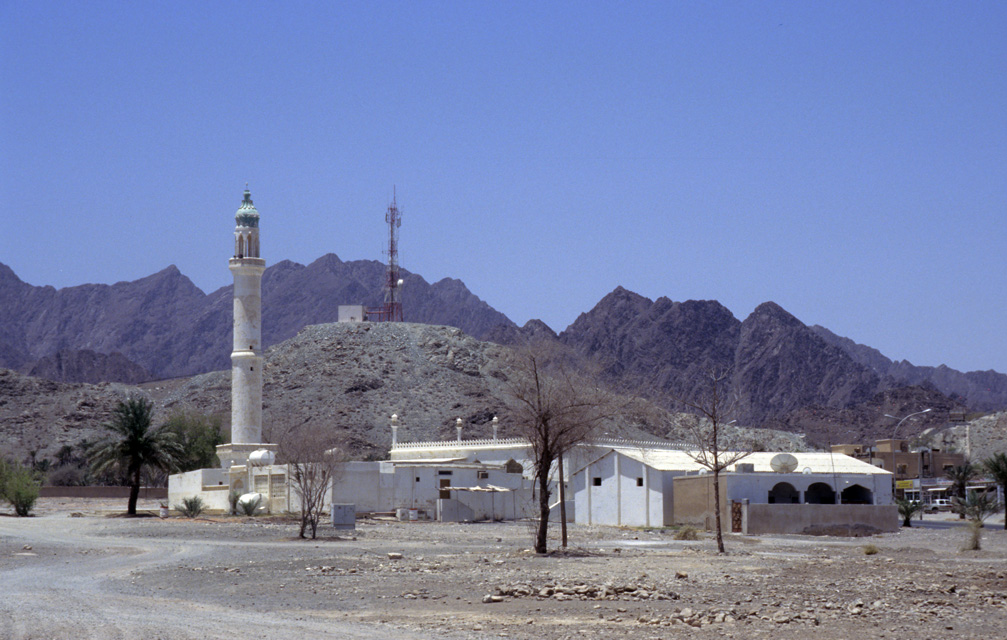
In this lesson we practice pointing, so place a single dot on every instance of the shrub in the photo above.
(19, 487)
(907, 509)
(976, 506)
(250, 506)
(687, 533)
(973, 542)
(870, 549)
(191, 507)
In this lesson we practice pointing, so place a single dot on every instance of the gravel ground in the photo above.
(74, 571)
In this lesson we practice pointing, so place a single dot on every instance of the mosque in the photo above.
(613, 482)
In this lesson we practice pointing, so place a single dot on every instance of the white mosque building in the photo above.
(611, 482)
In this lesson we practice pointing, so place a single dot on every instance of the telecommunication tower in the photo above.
(391, 310)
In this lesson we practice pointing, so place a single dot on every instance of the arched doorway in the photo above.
(819, 493)
(857, 494)
(784, 493)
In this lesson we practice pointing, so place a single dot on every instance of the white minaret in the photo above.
(246, 358)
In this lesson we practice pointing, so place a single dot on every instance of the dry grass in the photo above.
(687, 533)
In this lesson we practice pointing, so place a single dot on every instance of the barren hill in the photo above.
(346, 377)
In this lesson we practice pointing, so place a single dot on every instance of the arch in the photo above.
(241, 246)
(784, 493)
(249, 245)
(819, 493)
(856, 494)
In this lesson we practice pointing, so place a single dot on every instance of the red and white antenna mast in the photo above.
(391, 311)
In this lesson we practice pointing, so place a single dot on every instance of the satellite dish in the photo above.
(783, 463)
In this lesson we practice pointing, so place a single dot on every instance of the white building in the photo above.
(636, 487)
(448, 489)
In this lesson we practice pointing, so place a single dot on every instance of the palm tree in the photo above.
(960, 477)
(133, 445)
(996, 469)
(907, 509)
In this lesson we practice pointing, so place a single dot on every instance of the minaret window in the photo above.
(241, 246)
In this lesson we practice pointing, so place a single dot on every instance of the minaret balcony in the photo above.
(250, 263)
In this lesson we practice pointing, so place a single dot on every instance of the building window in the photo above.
(417, 478)
(596, 482)
(482, 475)
(443, 473)
(639, 482)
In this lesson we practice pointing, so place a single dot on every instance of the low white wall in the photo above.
(209, 484)
(473, 506)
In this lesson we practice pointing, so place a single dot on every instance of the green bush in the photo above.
(907, 509)
(191, 507)
(19, 487)
(870, 549)
(198, 436)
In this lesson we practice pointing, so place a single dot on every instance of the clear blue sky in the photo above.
(846, 160)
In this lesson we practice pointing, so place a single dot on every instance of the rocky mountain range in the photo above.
(981, 390)
(347, 377)
(167, 326)
(783, 373)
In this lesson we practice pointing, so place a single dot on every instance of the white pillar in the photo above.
(458, 426)
(246, 356)
(395, 430)
(618, 490)
(496, 423)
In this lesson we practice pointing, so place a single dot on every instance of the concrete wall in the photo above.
(797, 518)
(202, 482)
(365, 485)
(694, 504)
(473, 506)
(146, 493)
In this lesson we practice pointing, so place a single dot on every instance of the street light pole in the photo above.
(892, 445)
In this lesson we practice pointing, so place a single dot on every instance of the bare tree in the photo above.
(314, 459)
(554, 411)
(714, 406)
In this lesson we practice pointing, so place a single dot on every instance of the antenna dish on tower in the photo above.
(783, 463)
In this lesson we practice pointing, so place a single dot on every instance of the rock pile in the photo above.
(584, 591)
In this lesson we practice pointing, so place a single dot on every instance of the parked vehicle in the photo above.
(939, 504)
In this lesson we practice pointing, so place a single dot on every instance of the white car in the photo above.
(939, 504)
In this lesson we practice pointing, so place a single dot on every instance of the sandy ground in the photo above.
(73, 571)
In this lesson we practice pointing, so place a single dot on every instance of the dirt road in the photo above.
(101, 577)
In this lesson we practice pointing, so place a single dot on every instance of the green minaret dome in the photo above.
(247, 215)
